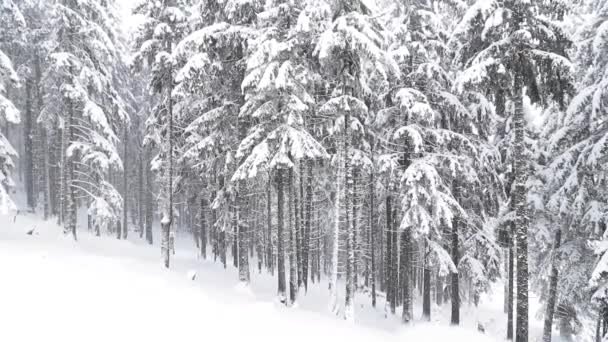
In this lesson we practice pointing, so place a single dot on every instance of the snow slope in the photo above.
(101, 289)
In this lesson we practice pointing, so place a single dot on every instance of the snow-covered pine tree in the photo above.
(11, 20)
(162, 29)
(351, 56)
(576, 177)
(211, 70)
(31, 54)
(513, 43)
(83, 105)
(438, 130)
(277, 98)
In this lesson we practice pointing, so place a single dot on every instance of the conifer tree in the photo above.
(512, 42)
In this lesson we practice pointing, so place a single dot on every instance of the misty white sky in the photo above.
(129, 21)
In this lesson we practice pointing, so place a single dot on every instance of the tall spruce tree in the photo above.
(514, 43)
(165, 24)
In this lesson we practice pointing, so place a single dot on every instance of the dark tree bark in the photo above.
(382, 268)
(61, 171)
(598, 325)
(48, 197)
(140, 193)
(222, 243)
(125, 185)
(235, 234)
(350, 224)
(167, 219)
(44, 138)
(214, 229)
(307, 228)
(260, 233)
(223, 249)
(521, 235)
(293, 252)
(402, 267)
(55, 144)
(70, 221)
(148, 200)
(28, 144)
(203, 227)
(355, 228)
(280, 237)
(269, 240)
(406, 315)
(299, 217)
(550, 309)
(426, 288)
(511, 287)
(241, 226)
(506, 285)
(395, 257)
(372, 234)
(389, 254)
(320, 238)
(455, 287)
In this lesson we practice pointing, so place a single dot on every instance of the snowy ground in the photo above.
(101, 289)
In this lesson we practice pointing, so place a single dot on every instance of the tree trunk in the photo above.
(426, 287)
(521, 333)
(46, 178)
(455, 297)
(125, 185)
(550, 309)
(319, 238)
(395, 257)
(293, 252)
(48, 207)
(222, 243)
(203, 227)
(214, 228)
(148, 200)
(70, 220)
(140, 193)
(241, 226)
(350, 224)
(506, 285)
(511, 286)
(167, 218)
(298, 199)
(280, 237)
(402, 268)
(355, 227)
(406, 314)
(28, 144)
(598, 325)
(55, 144)
(269, 240)
(235, 235)
(389, 253)
(62, 197)
(372, 233)
(307, 228)
(260, 233)
(333, 281)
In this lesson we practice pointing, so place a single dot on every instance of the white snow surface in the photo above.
(103, 289)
